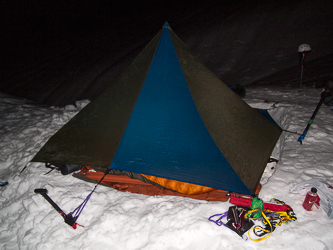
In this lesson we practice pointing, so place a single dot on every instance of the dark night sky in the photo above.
(45, 41)
(56, 52)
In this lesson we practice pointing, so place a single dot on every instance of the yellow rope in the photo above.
(262, 229)
(250, 212)
(278, 218)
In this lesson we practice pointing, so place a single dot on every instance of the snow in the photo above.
(117, 220)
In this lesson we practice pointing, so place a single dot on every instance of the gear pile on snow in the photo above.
(252, 218)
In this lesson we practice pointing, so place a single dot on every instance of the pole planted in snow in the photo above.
(303, 49)
(327, 92)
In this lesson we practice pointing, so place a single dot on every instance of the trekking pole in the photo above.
(303, 49)
(323, 96)
(68, 219)
(300, 85)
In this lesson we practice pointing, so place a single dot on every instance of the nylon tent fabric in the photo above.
(92, 136)
(169, 116)
(245, 138)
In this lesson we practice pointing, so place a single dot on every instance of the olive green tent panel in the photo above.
(92, 136)
(242, 134)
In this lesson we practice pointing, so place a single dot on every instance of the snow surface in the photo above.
(118, 220)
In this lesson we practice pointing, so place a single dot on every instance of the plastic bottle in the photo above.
(310, 199)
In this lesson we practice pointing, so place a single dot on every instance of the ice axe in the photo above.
(68, 218)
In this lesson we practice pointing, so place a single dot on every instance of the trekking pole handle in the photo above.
(43, 192)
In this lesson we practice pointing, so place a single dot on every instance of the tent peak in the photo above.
(166, 25)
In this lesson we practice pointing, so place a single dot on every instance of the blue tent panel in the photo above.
(166, 136)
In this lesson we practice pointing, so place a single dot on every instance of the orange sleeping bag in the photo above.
(179, 186)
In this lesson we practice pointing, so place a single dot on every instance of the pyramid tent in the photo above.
(169, 116)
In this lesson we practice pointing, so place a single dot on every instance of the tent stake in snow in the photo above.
(68, 218)
(303, 49)
(327, 92)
